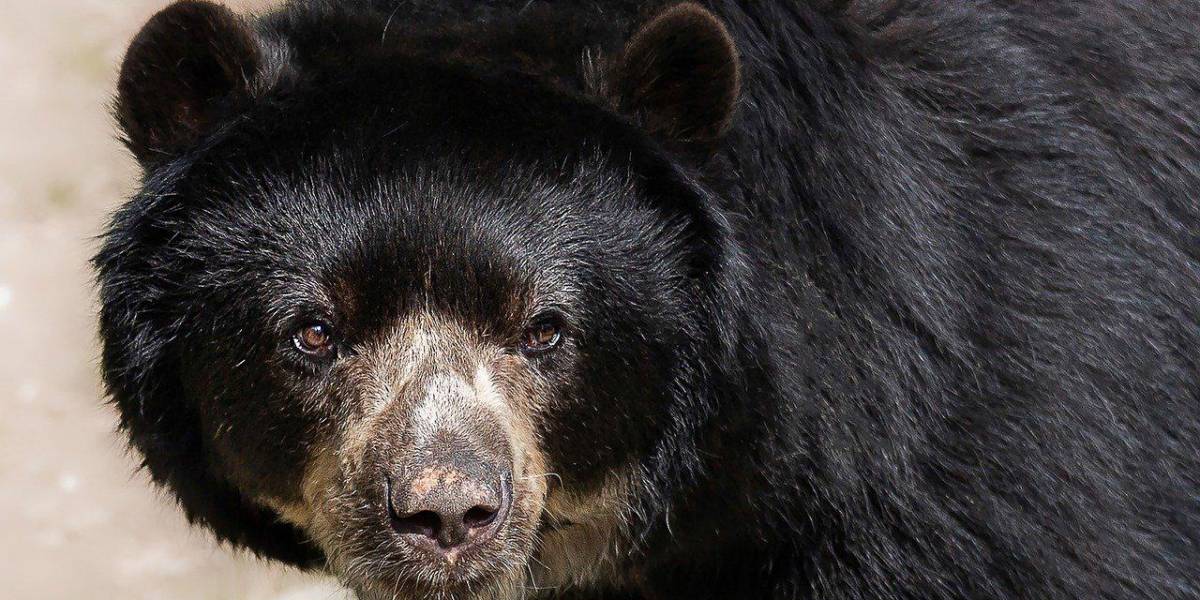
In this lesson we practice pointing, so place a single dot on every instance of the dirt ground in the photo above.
(76, 519)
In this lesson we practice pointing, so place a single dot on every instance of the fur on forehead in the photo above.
(492, 246)
(586, 202)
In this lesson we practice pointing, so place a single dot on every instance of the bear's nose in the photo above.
(449, 505)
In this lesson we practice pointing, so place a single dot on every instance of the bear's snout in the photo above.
(448, 500)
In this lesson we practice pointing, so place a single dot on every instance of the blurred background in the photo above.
(76, 518)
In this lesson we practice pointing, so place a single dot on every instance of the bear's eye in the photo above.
(542, 335)
(314, 339)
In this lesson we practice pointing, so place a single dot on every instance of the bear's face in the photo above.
(423, 321)
(412, 365)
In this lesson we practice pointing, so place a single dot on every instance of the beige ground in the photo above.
(76, 520)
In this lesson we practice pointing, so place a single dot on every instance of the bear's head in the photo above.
(409, 311)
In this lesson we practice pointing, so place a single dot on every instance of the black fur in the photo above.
(918, 321)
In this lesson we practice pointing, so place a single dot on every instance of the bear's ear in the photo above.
(678, 75)
(189, 63)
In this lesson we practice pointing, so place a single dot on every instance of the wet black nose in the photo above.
(447, 504)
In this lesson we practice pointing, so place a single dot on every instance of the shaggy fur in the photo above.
(918, 320)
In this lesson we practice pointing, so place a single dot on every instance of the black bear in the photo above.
(790, 299)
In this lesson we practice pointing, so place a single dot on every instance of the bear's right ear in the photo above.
(189, 64)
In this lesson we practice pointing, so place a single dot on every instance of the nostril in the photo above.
(425, 523)
(479, 516)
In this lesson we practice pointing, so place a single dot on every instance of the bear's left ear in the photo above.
(678, 75)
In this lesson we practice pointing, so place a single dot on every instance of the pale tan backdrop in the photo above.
(76, 520)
